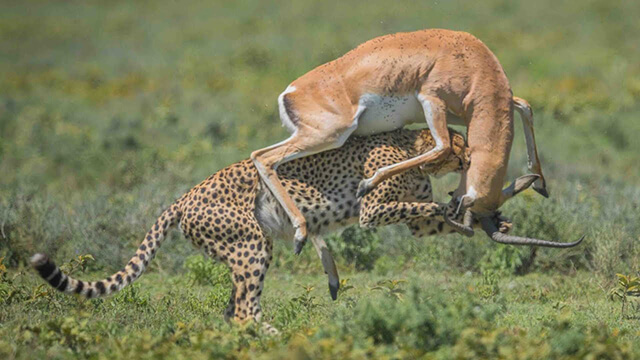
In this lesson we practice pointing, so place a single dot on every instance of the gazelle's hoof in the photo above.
(364, 187)
(298, 246)
(299, 240)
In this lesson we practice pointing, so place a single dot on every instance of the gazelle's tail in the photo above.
(523, 107)
(114, 283)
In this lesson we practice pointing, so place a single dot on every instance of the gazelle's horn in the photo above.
(464, 228)
(490, 228)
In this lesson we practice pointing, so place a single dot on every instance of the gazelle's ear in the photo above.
(521, 183)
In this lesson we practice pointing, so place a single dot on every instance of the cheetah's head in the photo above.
(456, 161)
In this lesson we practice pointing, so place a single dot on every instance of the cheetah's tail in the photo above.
(114, 283)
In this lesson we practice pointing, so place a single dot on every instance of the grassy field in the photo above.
(111, 110)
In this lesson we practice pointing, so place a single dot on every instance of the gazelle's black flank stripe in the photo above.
(135, 267)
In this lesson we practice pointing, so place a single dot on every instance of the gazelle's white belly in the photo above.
(386, 113)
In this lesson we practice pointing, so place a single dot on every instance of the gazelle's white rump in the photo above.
(284, 116)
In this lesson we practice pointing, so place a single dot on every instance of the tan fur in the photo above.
(445, 71)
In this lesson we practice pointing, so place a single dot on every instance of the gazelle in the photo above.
(437, 76)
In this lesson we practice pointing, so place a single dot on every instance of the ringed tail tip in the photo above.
(38, 260)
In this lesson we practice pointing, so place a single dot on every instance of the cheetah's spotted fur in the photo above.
(233, 218)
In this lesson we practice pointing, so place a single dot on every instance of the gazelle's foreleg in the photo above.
(435, 113)
(526, 114)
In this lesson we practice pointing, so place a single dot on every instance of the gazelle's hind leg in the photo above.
(526, 114)
(302, 143)
(435, 113)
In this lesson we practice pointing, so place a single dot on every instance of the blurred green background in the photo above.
(111, 110)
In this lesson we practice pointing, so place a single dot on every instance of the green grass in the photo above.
(111, 110)
(432, 313)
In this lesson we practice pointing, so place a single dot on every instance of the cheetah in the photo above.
(234, 218)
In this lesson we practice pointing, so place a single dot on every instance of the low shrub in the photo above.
(204, 271)
(358, 247)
